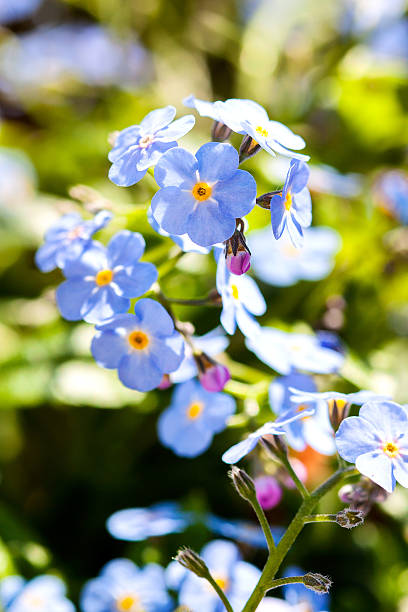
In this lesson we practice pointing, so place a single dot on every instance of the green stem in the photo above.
(274, 561)
(299, 484)
(321, 518)
(220, 593)
(288, 580)
(264, 524)
(207, 301)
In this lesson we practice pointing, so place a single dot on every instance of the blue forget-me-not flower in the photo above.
(377, 442)
(101, 282)
(279, 263)
(140, 147)
(42, 594)
(136, 524)
(188, 425)
(68, 239)
(141, 346)
(241, 299)
(124, 587)
(202, 195)
(291, 210)
(273, 428)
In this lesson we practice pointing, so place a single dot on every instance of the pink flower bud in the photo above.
(239, 263)
(215, 378)
(268, 492)
(165, 382)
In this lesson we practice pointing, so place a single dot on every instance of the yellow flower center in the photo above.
(76, 232)
(33, 600)
(260, 130)
(202, 191)
(194, 410)
(104, 277)
(129, 603)
(138, 340)
(340, 403)
(234, 291)
(288, 200)
(301, 408)
(145, 142)
(390, 449)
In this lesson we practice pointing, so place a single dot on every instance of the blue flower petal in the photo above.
(177, 129)
(137, 371)
(177, 168)
(208, 225)
(126, 138)
(378, 467)
(124, 172)
(135, 280)
(90, 262)
(217, 161)
(278, 215)
(155, 319)
(71, 295)
(125, 248)
(103, 304)
(236, 195)
(171, 209)
(238, 451)
(156, 120)
(108, 348)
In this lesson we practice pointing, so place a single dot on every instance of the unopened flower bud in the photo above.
(220, 132)
(248, 148)
(268, 491)
(275, 445)
(165, 382)
(317, 582)
(213, 376)
(237, 253)
(264, 201)
(243, 483)
(349, 518)
(192, 561)
(338, 410)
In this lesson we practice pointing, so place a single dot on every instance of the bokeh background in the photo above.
(74, 445)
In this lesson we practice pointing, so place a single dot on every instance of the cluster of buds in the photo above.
(213, 375)
(237, 253)
(362, 495)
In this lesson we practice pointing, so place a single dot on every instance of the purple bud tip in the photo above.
(215, 378)
(240, 263)
(268, 492)
(165, 382)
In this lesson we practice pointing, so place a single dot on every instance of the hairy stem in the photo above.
(264, 524)
(321, 518)
(288, 580)
(299, 484)
(220, 593)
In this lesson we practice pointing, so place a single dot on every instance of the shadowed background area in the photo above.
(75, 445)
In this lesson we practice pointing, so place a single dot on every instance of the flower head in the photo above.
(284, 351)
(377, 442)
(102, 280)
(141, 346)
(42, 594)
(236, 578)
(67, 240)
(123, 587)
(279, 263)
(136, 524)
(188, 425)
(291, 210)
(241, 299)
(273, 428)
(140, 147)
(202, 195)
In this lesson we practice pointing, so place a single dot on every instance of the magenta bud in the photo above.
(268, 492)
(215, 378)
(239, 263)
(165, 382)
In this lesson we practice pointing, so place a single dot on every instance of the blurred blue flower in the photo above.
(122, 586)
(279, 263)
(42, 594)
(301, 395)
(284, 351)
(377, 442)
(314, 429)
(325, 179)
(141, 346)
(139, 147)
(68, 239)
(102, 280)
(291, 210)
(273, 428)
(241, 299)
(135, 524)
(202, 195)
(248, 117)
(297, 595)
(183, 241)
(331, 340)
(242, 531)
(391, 41)
(18, 180)
(236, 578)
(188, 425)
(213, 343)
(17, 9)
(391, 193)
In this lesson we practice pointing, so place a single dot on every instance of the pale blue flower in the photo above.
(42, 594)
(188, 425)
(391, 191)
(183, 241)
(102, 280)
(241, 299)
(279, 263)
(139, 147)
(122, 585)
(377, 442)
(137, 524)
(301, 395)
(202, 195)
(285, 351)
(273, 428)
(291, 210)
(142, 346)
(17, 9)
